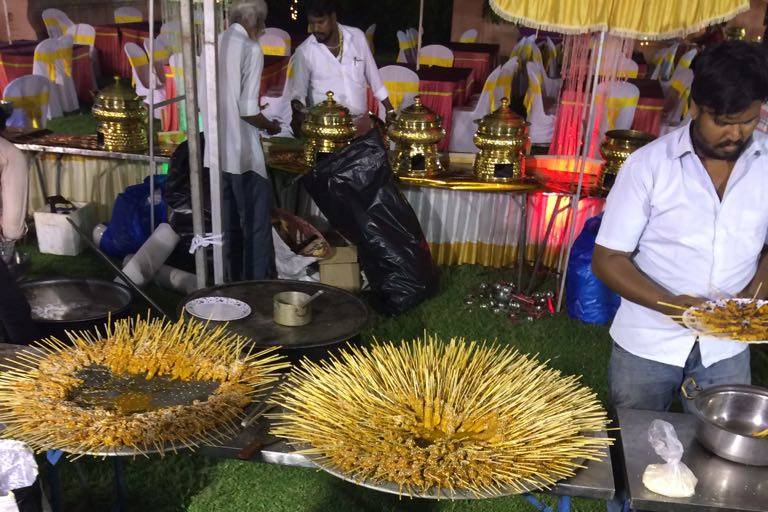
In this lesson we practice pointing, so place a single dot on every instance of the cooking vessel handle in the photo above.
(696, 388)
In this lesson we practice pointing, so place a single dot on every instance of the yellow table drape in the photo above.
(653, 19)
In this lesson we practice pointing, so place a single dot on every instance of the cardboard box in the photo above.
(341, 269)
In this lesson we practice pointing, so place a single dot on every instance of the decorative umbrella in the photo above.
(649, 19)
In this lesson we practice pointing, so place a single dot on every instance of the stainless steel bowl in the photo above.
(727, 416)
(63, 304)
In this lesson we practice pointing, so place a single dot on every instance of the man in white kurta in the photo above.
(334, 58)
(687, 221)
(246, 191)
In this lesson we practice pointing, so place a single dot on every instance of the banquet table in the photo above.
(649, 107)
(110, 40)
(480, 57)
(16, 60)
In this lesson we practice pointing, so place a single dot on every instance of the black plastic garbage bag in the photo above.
(354, 189)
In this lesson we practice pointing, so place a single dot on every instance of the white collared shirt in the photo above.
(664, 208)
(240, 63)
(315, 71)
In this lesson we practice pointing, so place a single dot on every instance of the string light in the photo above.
(294, 10)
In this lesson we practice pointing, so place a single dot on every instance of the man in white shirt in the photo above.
(335, 58)
(246, 191)
(686, 221)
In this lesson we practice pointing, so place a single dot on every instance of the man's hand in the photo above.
(273, 128)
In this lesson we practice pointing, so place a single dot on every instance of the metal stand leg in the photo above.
(522, 239)
(119, 484)
(59, 158)
(40, 177)
(540, 255)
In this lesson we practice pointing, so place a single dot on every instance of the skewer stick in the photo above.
(674, 306)
(757, 292)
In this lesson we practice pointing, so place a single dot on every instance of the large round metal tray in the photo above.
(337, 314)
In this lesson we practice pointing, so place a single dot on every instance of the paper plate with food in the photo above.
(744, 320)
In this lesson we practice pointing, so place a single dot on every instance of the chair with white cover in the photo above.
(687, 58)
(370, 34)
(619, 102)
(56, 22)
(507, 77)
(469, 36)
(128, 15)
(142, 75)
(171, 30)
(84, 34)
(552, 67)
(676, 103)
(34, 101)
(542, 125)
(53, 60)
(436, 55)
(664, 62)
(162, 51)
(463, 126)
(628, 68)
(551, 85)
(405, 56)
(274, 45)
(282, 34)
(402, 85)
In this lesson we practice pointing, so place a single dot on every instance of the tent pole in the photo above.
(421, 29)
(193, 137)
(151, 123)
(212, 122)
(581, 166)
(7, 21)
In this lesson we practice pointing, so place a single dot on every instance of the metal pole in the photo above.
(582, 165)
(7, 21)
(151, 127)
(418, 36)
(212, 122)
(193, 137)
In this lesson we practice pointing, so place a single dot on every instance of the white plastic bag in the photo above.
(290, 265)
(673, 479)
(17, 466)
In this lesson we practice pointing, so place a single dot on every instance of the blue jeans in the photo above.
(639, 383)
(246, 206)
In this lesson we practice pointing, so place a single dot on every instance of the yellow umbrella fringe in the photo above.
(34, 387)
(434, 417)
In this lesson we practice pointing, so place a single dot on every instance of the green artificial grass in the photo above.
(201, 484)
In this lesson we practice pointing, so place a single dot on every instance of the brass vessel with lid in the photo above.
(328, 127)
(121, 118)
(416, 134)
(616, 148)
(501, 138)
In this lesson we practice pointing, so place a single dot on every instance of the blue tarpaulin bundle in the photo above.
(586, 297)
(129, 226)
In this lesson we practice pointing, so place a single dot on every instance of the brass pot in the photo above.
(121, 118)
(291, 310)
(416, 134)
(616, 147)
(328, 127)
(501, 138)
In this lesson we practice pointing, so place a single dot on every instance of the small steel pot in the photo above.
(727, 416)
(290, 311)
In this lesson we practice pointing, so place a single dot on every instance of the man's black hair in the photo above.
(320, 8)
(730, 76)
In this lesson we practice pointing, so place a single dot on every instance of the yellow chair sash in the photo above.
(161, 54)
(685, 62)
(128, 19)
(65, 54)
(408, 44)
(429, 60)
(280, 51)
(176, 72)
(50, 58)
(683, 92)
(54, 23)
(534, 89)
(31, 105)
(138, 60)
(86, 39)
(468, 39)
(614, 105)
(505, 83)
(627, 73)
(398, 90)
(490, 88)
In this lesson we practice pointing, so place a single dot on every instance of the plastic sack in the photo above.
(17, 466)
(129, 226)
(673, 479)
(354, 189)
(586, 297)
(289, 264)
